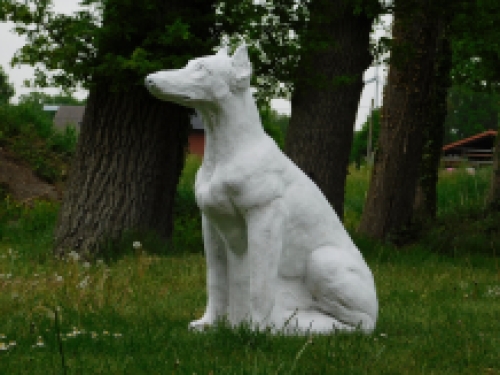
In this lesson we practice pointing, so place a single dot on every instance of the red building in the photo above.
(197, 136)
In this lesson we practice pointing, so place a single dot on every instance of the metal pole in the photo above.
(369, 146)
(369, 155)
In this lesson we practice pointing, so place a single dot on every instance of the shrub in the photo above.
(20, 222)
(18, 119)
(187, 233)
(28, 132)
(274, 124)
(64, 142)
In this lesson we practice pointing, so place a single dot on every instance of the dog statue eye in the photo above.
(199, 67)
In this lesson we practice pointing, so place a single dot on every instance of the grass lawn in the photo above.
(439, 303)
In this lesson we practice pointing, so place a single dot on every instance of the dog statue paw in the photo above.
(201, 324)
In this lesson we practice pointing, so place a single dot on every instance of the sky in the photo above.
(10, 43)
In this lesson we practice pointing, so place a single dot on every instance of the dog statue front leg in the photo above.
(217, 287)
(265, 241)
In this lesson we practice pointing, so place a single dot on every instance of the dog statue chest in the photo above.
(211, 193)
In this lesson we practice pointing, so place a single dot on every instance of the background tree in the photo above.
(469, 112)
(273, 31)
(425, 204)
(334, 55)
(476, 58)
(389, 204)
(314, 52)
(474, 50)
(476, 45)
(131, 146)
(493, 198)
(6, 89)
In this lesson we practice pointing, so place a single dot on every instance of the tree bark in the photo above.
(494, 193)
(129, 156)
(425, 205)
(389, 206)
(131, 147)
(326, 95)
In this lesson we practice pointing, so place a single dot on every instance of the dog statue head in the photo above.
(207, 79)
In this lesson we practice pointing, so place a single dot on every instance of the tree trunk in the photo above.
(131, 147)
(494, 193)
(425, 206)
(129, 156)
(389, 205)
(326, 95)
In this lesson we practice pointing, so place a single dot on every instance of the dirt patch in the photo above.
(21, 183)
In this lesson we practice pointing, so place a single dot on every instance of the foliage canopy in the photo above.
(470, 112)
(6, 89)
(476, 45)
(112, 41)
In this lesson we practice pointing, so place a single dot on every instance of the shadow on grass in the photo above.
(133, 242)
(464, 233)
(466, 236)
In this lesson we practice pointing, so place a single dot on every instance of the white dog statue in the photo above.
(277, 255)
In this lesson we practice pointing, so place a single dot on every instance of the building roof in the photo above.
(69, 115)
(51, 108)
(197, 121)
(475, 138)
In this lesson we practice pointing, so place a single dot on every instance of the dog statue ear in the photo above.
(222, 52)
(242, 68)
(240, 56)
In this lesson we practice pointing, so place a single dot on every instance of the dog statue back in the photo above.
(277, 254)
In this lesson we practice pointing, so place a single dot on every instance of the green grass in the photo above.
(439, 303)
(355, 196)
(187, 214)
(459, 191)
